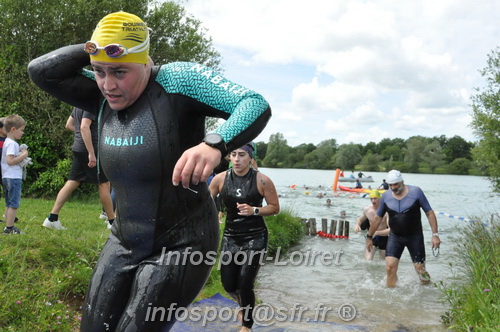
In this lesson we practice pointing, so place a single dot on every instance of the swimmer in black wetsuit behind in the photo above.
(403, 203)
(242, 190)
(151, 139)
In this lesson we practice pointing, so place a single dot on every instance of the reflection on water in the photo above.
(409, 306)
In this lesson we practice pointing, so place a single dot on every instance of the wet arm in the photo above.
(61, 73)
(362, 217)
(216, 184)
(246, 111)
(270, 195)
(431, 216)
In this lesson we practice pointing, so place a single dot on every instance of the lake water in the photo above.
(322, 290)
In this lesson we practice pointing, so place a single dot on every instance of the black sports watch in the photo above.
(215, 140)
(256, 211)
(369, 236)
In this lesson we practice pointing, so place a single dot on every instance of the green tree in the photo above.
(371, 162)
(392, 153)
(414, 152)
(433, 155)
(347, 156)
(261, 148)
(392, 149)
(459, 166)
(456, 147)
(178, 36)
(321, 157)
(486, 120)
(277, 151)
(31, 28)
(298, 154)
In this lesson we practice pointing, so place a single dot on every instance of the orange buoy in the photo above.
(336, 179)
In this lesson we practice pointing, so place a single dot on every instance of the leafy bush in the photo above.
(285, 230)
(459, 166)
(52, 180)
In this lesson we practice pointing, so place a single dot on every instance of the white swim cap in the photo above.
(394, 176)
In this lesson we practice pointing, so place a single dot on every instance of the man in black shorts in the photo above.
(403, 203)
(83, 167)
(364, 221)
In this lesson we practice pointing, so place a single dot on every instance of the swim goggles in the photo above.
(115, 50)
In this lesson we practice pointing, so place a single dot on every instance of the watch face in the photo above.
(213, 138)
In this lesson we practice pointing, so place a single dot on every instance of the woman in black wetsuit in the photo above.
(151, 139)
(242, 190)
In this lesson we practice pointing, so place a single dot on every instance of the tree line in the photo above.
(416, 154)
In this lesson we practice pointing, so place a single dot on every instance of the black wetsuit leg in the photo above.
(414, 243)
(416, 247)
(238, 277)
(126, 283)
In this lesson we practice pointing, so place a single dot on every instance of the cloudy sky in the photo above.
(354, 70)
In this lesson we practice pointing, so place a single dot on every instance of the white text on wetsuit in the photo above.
(220, 81)
(124, 141)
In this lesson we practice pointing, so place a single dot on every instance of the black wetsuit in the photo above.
(405, 223)
(138, 148)
(245, 235)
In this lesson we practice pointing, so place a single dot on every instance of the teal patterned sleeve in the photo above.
(243, 106)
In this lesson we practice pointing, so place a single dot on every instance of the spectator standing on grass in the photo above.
(3, 136)
(12, 172)
(83, 167)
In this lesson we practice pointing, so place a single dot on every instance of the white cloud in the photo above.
(355, 70)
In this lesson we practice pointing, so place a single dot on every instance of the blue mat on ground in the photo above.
(217, 314)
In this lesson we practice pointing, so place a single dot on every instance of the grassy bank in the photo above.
(44, 274)
(475, 298)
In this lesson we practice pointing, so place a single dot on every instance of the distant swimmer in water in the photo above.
(384, 185)
(403, 204)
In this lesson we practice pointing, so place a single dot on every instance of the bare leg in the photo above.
(10, 216)
(391, 267)
(369, 254)
(424, 276)
(63, 195)
(105, 197)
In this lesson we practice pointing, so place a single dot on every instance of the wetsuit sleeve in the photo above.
(381, 209)
(61, 73)
(246, 111)
(422, 199)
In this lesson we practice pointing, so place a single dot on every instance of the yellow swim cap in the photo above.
(374, 193)
(123, 29)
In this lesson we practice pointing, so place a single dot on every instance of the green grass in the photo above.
(475, 298)
(44, 273)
